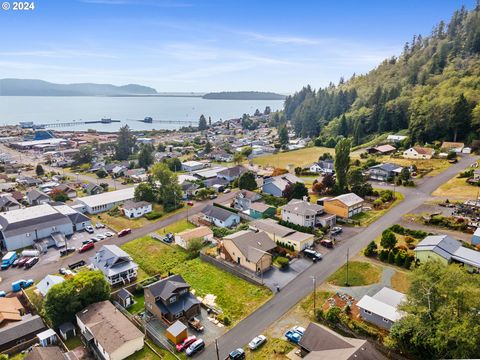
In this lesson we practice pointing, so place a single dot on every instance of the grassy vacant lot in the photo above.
(275, 349)
(320, 297)
(433, 166)
(400, 281)
(177, 227)
(457, 189)
(235, 296)
(36, 300)
(303, 157)
(120, 222)
(359, 274)
(368, 217)
(147, 354)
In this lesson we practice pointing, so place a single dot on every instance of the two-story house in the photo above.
(384, 172)
(135, 209)
(170, 300)
(344, 206)
(304, 213)
(117, 266)
(244, 199)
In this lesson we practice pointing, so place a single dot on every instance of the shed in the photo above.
(476, 237)
(67, 330)
(125, 298)
(47, 337)
(177, 332)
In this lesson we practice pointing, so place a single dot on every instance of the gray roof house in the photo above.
(24, 227)
(8, 202)
(23, 330)
(244, 199)
(37, 197)
(220, 217)
(276, 185)
(304, 213)
(381, 309)
(232, 173)
(447, 250)
(117, 266)
(47, 282)
(384, 172)
(323, 166)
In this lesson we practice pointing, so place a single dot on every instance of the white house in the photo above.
(381, 309)
(108, 332)
(117, 266)
(396, 138)
(325, 167)
(47, 282)
(95, 204)
(304, 213)
(135, 209)
(192, 165)
(418, 152)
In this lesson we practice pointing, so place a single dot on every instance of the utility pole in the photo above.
(347, 267)
(216, 349)
(314, 295)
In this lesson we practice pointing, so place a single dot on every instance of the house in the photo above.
(176, 332)
(259, 210)
(189, 189)
(418, 152)
(249, 249)
(20, 331)
(244, 199)
(221, 155)
(170, 300)
(48, 282)
(95, 204)
(476, 237)
(381, 309)
(49, 353)
(79, 220)
(232, 173)
(384, 172)
(107, 332)
(11, 310)
(304, 213)
(68, 190)
(344, 206)
(192, 165)
(37, 197)
(117, 266)
(202, 232)
(136, 174)
(320, 342)
(125, 298)
(119, 170)
(209, 173)
(135, 209)
(276, 185)
(28, 181)
(447, 250)
(93, 189)
(8, 202)
(323, 166)
(25, 227)
(456, 147)
(282, 234)
(396, 138)
(220, 217)
(382, 149)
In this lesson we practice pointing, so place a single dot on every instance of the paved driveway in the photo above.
(276, 277)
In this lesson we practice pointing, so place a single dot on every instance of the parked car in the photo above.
(190, 203)
(257, 342)
(88, 241)
(76, 264)
(109, 234)
(327, 243)
(293, 336)
(62, 271)
(195, 324)
(87, 247)
(15, 263)
(237, 354)
(299, 329)
(312, 254)
(89, 229)
(124, 232)
(336, 230)
(101, 236)
(21, 284)
(22, 261)
(226, 191)
(186, 343)
(3, 293)
(213, 196)
(99, 226)
(67, 251)
(196, 347)
(31, 262)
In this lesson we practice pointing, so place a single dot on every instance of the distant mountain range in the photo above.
(27, 87)
(244, 95)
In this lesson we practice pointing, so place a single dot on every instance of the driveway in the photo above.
(276, 277)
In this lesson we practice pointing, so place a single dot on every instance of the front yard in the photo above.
(236, 297)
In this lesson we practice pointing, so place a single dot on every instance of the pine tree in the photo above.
(202, 123)
(342, 164)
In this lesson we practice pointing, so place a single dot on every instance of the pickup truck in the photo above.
(293, 336)
(8, 259)
(195, 324)
(21, 284)
(77, 264)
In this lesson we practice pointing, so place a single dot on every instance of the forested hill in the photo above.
(432, 89)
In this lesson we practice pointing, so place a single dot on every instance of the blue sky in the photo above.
(193, 45)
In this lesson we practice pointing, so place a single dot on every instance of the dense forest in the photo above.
(430, 92)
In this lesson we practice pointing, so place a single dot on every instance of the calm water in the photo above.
(45, 110)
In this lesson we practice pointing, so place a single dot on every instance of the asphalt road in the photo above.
(44, 268)
(296, 290)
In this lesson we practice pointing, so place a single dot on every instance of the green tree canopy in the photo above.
(202, 123)
(247, 181)
(145, 156)
(342, 165)
(39, 170)
(169, 191)
(146, 191)
(295, 191)
(125, 143)
(84, 155)
(389, 240)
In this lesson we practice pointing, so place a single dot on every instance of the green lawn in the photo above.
(147, 354)
(367, 217)
(36, 300)
(235, 296)
(320, 297)
(303, 157)
(177, 227)
(139, 305)
(73, 342)
(359, 274)
(276, 349)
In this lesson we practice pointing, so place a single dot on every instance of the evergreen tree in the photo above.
(208, 147)
(343, 126)
(342, 164)
(247, 181)
(39, 170)
(202, 123)
(125, 143)
(145, 156)
(283, 135)
(461, 116)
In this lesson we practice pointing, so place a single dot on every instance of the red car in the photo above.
(22, 261)
(186, 343)
(190, 203)
(124, 232)
(87, 247)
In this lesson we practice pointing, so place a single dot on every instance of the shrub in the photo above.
(391, 257)
(408, 262)
(154, 215)
(332, 315)
(409, 239)
(371, 249)
(383, 255)
(283, 262)
(319, 315)
(402, 247)
(377, 203)
(226, 320)
(400, 258)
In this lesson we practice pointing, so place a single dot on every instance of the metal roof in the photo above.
(108, 197)
(384, 303)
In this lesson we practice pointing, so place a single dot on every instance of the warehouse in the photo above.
(95, 204)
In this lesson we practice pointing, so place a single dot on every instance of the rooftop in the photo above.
(349, 199)
(198, 232)
(302, 207)
(108, 197)
(252, 245)
(384, 303)
(217, 212)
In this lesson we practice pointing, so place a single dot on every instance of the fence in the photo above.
(233, 269)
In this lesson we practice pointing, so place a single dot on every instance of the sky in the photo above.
(208, 45)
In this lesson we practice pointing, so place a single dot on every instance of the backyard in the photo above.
(303, 157)
(147, 354)
(155, 257)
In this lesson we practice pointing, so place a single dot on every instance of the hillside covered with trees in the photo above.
(430, 92)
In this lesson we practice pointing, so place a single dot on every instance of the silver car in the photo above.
(257, 342)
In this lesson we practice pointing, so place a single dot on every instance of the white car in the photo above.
(101, 236)
(109, 234)
(299, 329)
(89, 229)
(257, 342)
(99, 225)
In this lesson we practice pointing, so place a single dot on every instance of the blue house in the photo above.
(220, 217)
(476, 237)
(276, 185)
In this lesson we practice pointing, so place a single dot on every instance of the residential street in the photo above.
(296, 290)
(44, 268)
